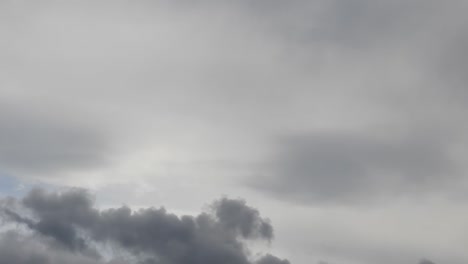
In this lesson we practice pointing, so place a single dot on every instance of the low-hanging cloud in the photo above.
(74, 227)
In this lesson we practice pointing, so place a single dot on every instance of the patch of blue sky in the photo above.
(16, 187)
(10, 186)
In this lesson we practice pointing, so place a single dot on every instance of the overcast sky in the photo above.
(338, 124)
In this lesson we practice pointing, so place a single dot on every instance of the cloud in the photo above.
(385, 112)
(426, 261)
(150, 235)
(347, 168)
(16, 248)
(38, 143)
(235, 215)
(270, 259)
(193, 96)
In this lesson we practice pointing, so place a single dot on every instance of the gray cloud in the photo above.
(270, 259)
(426, 261)
(235, 215)
(151, 235)
(406, 91)
(348, 168)
(16, 248)
(201, 85)
(39, 143)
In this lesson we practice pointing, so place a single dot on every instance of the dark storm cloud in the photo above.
(348, 167)
(151, 235)
(36, 143)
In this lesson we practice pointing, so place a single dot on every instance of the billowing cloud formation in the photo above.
(148, 235)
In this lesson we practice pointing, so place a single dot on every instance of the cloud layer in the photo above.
(328, 114)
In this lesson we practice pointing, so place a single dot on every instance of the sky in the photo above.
(266, 132)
